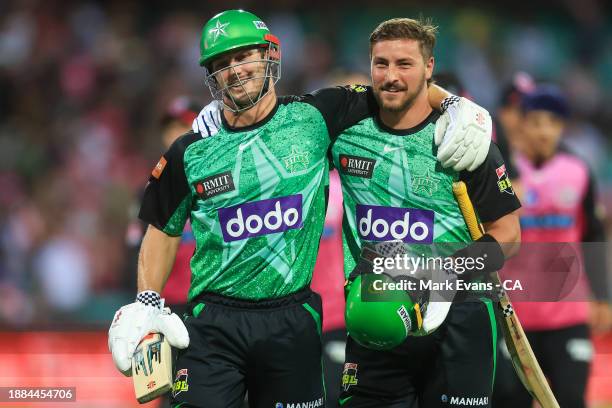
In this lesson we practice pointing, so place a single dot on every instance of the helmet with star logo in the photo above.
(229, 32)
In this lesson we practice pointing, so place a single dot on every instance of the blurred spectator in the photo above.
(509, 116)
(62, 268)
(560, 206)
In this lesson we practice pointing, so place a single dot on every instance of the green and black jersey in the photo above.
(255, 195)
(395, 189)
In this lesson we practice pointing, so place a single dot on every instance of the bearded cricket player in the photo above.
(439, 353)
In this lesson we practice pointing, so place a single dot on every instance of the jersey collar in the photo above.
(431, 118)
(256, 125)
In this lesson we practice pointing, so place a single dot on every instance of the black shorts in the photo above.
(452, 367)
(272, 349)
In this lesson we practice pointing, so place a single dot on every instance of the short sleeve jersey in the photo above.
(255, 195)
(395, 189)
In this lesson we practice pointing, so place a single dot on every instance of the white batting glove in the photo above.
(134, 321)
(439, 302)
(463, 134)
(208, 121)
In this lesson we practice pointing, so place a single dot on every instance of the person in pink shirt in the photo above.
(559, 206)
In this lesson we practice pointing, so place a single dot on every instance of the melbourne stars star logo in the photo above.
(425, 183)
(297, 160)
(218, 30)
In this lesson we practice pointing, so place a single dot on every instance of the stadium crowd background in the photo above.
(83, 85)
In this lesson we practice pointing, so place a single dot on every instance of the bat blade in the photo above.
(524, 361)
(152, 367)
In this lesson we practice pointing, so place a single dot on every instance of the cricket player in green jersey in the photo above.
(255, 195)
(395, 190)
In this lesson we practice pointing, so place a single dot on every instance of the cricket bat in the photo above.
(152, 367)
(524, 361)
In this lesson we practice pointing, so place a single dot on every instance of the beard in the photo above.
(402, 103)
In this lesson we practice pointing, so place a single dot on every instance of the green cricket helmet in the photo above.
(380, 319)
(233, 30)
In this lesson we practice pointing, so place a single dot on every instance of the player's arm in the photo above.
(506, 231)
(463, 132)
(436, 96)
(496, 204)
(341, 106)
(165, 207)
(156, 258)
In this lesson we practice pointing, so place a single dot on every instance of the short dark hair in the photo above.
(420, 30)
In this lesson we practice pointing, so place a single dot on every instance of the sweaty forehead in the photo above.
(396, 49)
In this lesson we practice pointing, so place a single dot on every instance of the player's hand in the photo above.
(435, 303)
(208, 121)
(463, 134)
(439, 300)
(134, 321)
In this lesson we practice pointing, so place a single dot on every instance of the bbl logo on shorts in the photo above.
(357, 166)
(180, 382)
(215, 185)
(349, 376)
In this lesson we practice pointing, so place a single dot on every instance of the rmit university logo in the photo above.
(376, 223)
(259, 218)
(215, 185)
(357, 166)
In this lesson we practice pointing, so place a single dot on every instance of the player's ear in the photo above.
(429, 67)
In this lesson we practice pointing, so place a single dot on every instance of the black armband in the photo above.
(487, 255)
